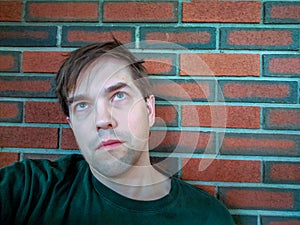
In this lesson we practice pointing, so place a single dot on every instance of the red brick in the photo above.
(7, 158)
(260, 37)
(196, 37)
(221, 116)
(42, 62)
(272, 199)
(277, 172)
(68, 140)
(285, 65)
(43, 112)
(140, 12)
(166, 115)
(290, 222)
(7, 62)
(28, 137)
(280, 220)
(10, 11)
(260, 144)
(259, 91)
(255, 90)
(285, 12)
(37, 86)
(179, 90)
(282, 118)
(91, 37)
(220, 64)
(10, 111)
(221, 170)
(62, 11)
(209, 189)
(158, 65)
(222, 11)
(182, 141)
(27, 86)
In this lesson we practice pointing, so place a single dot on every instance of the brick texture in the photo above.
(28, 137)
(81, 35)
(183, 90)
(221, 170)
(260, 144)
(159, 64)
(166, 115)
(30, 86)
(9, 61)
(282, 12)
(258, 91)
(255, 198)
(10, 11)
(11, 111)
(222, 12)
(44, 112)
(7, 158)
(219, 64)
(42, 62)
(140, 12)
(27, 36)
(62, 11)
(280, 220)
(282, 65)
(282, 118)
(179, 37)
(68, 140)
(182, 142)
(221, 116)
(276, 172)
(273, 39)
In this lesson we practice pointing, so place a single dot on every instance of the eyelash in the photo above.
(117, 93)
(80, 103)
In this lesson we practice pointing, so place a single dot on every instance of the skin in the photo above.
(111, 120)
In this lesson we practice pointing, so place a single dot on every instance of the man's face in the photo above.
(110, 118)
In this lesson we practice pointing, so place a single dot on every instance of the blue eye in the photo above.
(81, 106)
(119, 96)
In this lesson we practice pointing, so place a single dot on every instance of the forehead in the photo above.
(103, 72)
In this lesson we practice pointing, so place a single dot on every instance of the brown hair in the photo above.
(67, 76)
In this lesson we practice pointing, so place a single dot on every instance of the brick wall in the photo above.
(237, 110)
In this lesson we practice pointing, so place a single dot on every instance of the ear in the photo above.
(150, 101)
(69, 121)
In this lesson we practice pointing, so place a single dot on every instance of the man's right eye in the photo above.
(81, 106)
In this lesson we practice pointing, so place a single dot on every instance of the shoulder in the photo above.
(40, 168)
(216, 212)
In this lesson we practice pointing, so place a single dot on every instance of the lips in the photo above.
(109, 144)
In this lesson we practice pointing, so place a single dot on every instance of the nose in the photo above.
(104, 117)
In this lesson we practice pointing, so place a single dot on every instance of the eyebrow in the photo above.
(107, 90)
(116, 87)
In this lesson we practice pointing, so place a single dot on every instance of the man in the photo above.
(107, 98)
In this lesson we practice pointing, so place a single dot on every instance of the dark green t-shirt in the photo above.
(41, 192)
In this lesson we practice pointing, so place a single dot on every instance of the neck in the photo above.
(142, 183)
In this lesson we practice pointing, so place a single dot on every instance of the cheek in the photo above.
(138, 123)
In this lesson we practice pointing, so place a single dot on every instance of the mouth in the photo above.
(109, 145)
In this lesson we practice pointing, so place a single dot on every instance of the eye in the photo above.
(81, 106)
(119, 96)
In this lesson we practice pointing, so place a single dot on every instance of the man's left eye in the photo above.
(119, 96)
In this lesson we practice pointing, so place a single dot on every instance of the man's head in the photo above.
(78, 60)
(106, 95)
